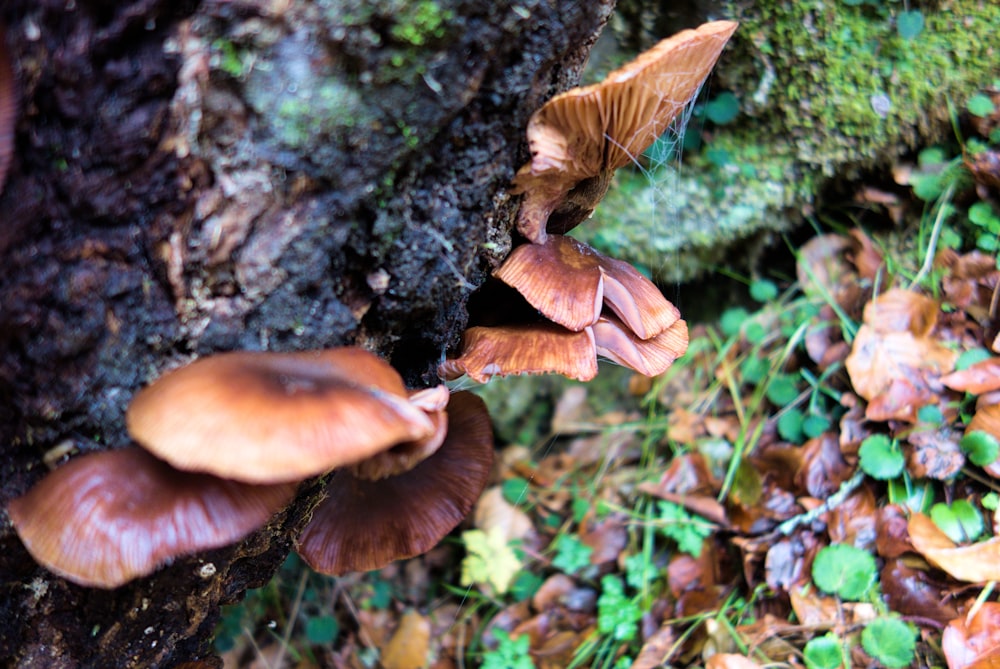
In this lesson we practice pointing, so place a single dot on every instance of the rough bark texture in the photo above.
(196, 177)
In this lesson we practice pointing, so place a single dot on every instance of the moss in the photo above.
(848, 88)
(680, 223)
(421, 22)
(827, 90)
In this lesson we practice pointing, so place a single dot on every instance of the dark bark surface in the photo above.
(196, 177)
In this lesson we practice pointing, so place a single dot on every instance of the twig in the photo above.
(833, 501)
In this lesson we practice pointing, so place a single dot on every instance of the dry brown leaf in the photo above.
(979, 378)
(730, 661)
(408, 647)
(976, 563)
(821, 268)
(813, 608)
(493, 511)
(880, 358)
(975, 643)
(657, 650)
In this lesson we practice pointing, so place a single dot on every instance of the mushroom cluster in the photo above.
(592, 305)
(226, 441)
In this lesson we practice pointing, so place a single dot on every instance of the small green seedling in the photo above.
(961, 521)
(572, 555)
(687, 530)
(617, 614)
(509, 653)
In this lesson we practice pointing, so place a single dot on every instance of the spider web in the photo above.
(638, 219)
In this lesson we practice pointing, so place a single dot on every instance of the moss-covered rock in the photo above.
(827, 89)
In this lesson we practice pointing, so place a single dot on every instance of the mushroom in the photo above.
(568, 281)
(276, 417)
(366, 523)
(580, 137)
(105, 518)
(650, 357)
(528, 348)
(8, 108)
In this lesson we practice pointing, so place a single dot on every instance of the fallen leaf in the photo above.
(730, 661)
(976, 563)
(493, 512)
(979, 378)
(912, 592)
(408, 647)
(974, 643)
(658, 649)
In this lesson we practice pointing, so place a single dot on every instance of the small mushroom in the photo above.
(650, 357)
(530, 348)
(579, 138)
(276, 417)
(103, 519)
(365, 524)
(568, 282)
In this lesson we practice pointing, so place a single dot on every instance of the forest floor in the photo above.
(814, 484)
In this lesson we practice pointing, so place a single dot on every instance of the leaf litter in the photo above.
(815, 484)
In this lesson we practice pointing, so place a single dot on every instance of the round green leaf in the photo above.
(968, 358)
(322, 630)
(514, 490)
(890, 641)
(910, 23)
(825, 652)
(782, 390)
(845, 571)
(731, 320)
(980, 104)
(723, 108)
(880, 457)
(981, 447)
(763, 290)
(960, 520)
(790, 426)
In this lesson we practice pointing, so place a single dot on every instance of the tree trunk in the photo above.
(197, 177)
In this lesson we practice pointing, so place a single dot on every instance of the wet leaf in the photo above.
(974, 642)
(976, 563)
(912, 592)
(409, 646)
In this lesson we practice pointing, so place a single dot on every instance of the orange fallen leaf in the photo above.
(976, 563)
(730, 661)
(894, 345)
(409, 645)
(975, 643)
(979, 378)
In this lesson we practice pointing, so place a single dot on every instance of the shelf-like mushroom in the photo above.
(569, 282)
(275, 417)
(579, 138)
(651, 356)
(365, 524)
(103, 519)
(538, 347)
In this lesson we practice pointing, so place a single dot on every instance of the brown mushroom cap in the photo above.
(275, 417)
(364, 525)
(105, 518)
(531, 348)
(568, 281)
(651, 356)
(586, 133)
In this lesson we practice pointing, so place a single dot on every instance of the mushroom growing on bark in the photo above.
(273, 417)
(580, 137)
(105, 518)
(373, 516)
(569, 283)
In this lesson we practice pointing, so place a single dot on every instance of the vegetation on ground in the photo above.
(814, 484)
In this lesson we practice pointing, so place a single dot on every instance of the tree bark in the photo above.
(192, 177)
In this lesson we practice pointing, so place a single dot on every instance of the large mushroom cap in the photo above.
(273, 417)
(364, 525)
(582, 135)
(106, 518)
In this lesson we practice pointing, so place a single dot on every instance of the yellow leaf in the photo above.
(490, 560)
